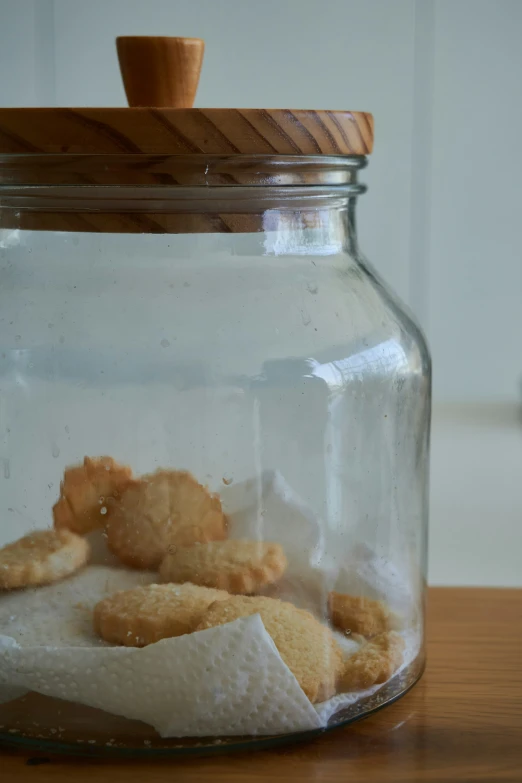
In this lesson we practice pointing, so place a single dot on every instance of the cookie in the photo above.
(41, 557)
(374, 663)
(87, 493)
(166, 508)
(307, 647)
(236, 566)
(358, 614)
(145, 615)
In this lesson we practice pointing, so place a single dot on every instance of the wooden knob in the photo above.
(160, 72)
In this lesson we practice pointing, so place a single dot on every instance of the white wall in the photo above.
(443, 80)
(475, 285)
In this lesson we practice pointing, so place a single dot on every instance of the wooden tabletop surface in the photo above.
(461, 723)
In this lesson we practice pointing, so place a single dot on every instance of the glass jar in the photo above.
(209, 313)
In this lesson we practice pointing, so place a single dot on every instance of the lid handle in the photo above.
(159, 71)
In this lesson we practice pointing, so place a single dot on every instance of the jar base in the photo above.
(103, 734)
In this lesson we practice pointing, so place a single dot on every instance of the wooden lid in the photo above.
(164, 73)
(166, 131)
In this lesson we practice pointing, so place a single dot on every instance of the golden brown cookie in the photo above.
(87, 493)
(41, 557)
(374, 663)
(238, 566)
(307, 647)
(166, 508)
(145, 615)
(358, 614)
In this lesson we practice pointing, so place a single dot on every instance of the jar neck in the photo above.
(187, 170)
(307, 201)
(329, 230)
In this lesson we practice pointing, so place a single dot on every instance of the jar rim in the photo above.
(189, 170)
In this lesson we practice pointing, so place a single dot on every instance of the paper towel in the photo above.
(60, 614)
(8, 692)
(228, 680)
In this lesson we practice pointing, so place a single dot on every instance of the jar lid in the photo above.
(163, 73)
(92, 131)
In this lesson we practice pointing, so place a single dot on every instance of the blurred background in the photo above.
(440, 222)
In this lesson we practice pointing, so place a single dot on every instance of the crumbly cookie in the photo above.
(87, 493)
(166, 508)
(358, 614)
(307, 647)
(374, 663)
(238, 566)
(41, 557)
(145, 615)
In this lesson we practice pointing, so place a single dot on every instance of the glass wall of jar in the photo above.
(253, 403)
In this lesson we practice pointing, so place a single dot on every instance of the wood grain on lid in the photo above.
(91, 131)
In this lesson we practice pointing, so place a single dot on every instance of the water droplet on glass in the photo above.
(103, 510)
(55, 451)
(164, 343)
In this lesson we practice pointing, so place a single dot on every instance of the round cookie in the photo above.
(307, 647)
(166, 508)
(374, 663)
(41, 557)
(87, 493)
(145, 615)
(358, 614)
(236, 566)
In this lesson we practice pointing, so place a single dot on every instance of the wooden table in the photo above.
(461, 723)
